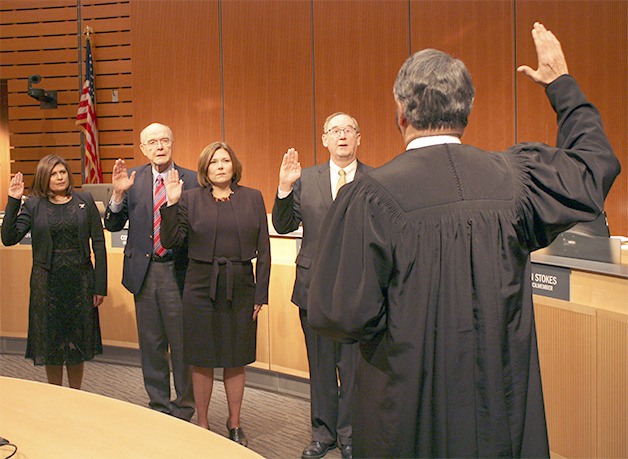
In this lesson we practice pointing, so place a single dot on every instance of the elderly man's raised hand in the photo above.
(120, 180)
(290, 170)
(552, 63)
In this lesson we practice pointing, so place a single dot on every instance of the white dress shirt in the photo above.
(421, 142)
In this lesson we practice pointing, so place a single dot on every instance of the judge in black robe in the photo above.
(425, 262)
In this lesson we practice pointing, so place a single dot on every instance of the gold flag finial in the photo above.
(88, 31)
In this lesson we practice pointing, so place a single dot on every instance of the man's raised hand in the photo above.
(551, 60)
(290, 170)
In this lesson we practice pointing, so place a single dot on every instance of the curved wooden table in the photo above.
(50, 422)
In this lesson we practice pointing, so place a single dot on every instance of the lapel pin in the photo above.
(82, 205)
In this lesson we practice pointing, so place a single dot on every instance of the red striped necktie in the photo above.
(158, 200)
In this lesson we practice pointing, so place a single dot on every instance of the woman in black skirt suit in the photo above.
(226, 227)
(65, 288)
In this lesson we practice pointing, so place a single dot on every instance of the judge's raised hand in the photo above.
(16, 186)
(290, 170)
(174, 187)
(121, 180)
(552, 63)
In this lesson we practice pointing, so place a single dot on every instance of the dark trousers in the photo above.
(332, 380)
(159, 312)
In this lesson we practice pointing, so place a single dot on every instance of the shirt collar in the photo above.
(428, 141)
(351, 168)
(164, 174)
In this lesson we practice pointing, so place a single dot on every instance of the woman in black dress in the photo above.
(226, 227)
(65, 288)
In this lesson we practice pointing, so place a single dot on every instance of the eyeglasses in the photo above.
(153, 143)
(349, 131)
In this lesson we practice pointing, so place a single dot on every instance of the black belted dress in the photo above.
(221, 288)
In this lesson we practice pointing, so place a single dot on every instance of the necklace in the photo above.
(221, 198)
(58, 199)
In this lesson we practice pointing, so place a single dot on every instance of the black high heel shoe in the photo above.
(237, 435)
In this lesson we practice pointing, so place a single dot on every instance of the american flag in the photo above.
(87, 120)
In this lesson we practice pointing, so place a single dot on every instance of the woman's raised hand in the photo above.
(16, 186)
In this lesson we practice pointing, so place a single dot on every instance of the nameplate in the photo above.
(118, 239)
(551, 281)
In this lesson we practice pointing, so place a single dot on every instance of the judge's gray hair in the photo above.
(435, 91)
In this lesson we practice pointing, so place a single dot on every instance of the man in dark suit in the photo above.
(154, 275)
(305, 197)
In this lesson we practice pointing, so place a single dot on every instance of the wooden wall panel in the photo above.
(20, 12)
(105, 9)
(267, 86)
(111, 48)
(36, 29)
(566, 339)
(41, 43)
(358, 49)
(594, 39)
(311, 57)
(14, 319)
(57, 19)
(45, 69)
(176, 66)
(117, 314)
(17, 87)
(612, 416)
(480, 33)
(43, 37)
(5, 154)
(34, 56)
(287, 343)
(583, 346)
(36, 4)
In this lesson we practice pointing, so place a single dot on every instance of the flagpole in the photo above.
(87, 33)
(80, 81)
(85, 179)
(87, 119)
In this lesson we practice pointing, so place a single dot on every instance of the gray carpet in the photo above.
(277, 426)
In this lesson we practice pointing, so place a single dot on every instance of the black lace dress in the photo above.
(63, 325)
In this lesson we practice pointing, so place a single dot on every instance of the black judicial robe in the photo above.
(425, 262)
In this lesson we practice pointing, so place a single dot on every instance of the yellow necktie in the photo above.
(342, 180)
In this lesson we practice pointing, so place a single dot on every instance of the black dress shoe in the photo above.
(316, 450)
(346, 451)
(237, 435)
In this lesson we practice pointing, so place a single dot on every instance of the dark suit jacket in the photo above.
(34, 219)
(137, 208)
(195, 217)
(308, 203)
